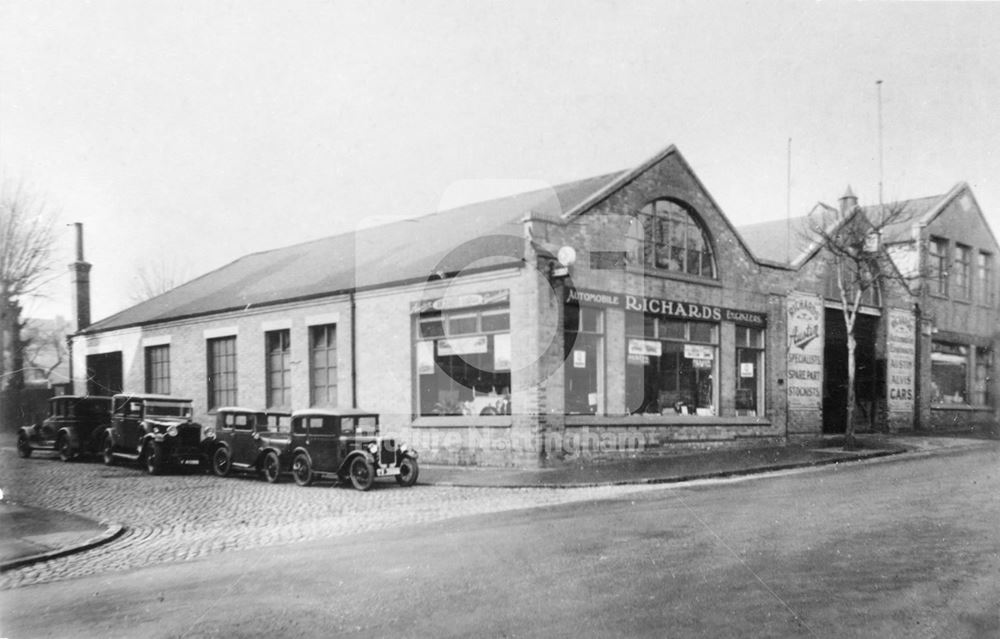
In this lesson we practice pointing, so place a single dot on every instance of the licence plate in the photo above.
(191, 462)
(386, 472)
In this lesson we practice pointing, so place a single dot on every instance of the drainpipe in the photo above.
(354, 358)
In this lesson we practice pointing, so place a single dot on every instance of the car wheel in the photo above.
(362, 473)
(154, 458)
(108, 451)
(301, 470)
(271, 467)
(65, 449)
(23, 447)
(408, 471)
(221, 461)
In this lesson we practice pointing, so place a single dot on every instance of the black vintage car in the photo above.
(345, 444)
(154, 429)
(74, 427)
(249, 440)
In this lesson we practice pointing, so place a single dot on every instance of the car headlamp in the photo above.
(172, 430)
(373, 448)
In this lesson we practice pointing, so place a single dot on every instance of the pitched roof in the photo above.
(407, 250)
(784, 241)
(911, 212)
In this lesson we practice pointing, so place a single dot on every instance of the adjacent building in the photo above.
(622, 314)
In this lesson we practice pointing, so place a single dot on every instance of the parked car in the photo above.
(154, 429)
(345, 444)
(73, 427)
(249, 440)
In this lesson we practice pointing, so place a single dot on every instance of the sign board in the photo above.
(901, 358)
(697, 351)
(579, 359)
(746, 369)
(645, 347)
(805, 351)
(462, 345)
(664, 307)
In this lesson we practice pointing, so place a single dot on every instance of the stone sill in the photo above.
(464, 421)
(663, 420)
(962, 407)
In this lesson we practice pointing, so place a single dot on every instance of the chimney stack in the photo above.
(81, 282)
(848, 201)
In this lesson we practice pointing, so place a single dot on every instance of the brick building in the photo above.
(614, 315)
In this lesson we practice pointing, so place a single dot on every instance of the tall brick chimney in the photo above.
(81, 282)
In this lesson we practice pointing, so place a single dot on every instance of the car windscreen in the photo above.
(168, 409)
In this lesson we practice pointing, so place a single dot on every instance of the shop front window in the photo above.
(672, 366)
(749, 371)
(584, 363)
(463, 362)
(949, 373)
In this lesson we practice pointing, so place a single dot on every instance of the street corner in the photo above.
(31, 535)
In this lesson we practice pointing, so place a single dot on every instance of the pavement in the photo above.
(30, 534)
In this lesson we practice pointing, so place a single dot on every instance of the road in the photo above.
(891, 548)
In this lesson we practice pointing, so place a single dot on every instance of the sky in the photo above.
(184, 135)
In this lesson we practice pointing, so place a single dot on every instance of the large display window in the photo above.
(463, 362)
(671, 366)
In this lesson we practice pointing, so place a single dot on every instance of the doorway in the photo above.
(104, 373)
(866, 379)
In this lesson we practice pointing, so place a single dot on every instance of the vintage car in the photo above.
(154, 429)
(345, 444)
(248, 440)
(73, 427)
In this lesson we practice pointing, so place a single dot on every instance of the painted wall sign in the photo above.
(460, 301)
(805, 351)
(665, 307)
(901, 358)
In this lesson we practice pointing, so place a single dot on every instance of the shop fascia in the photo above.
(665, 307)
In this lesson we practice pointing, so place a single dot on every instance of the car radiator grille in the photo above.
(387, 453)
(189, 437)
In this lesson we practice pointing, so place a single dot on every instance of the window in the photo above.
(463, 362)
(277, 346)
(982, 384)
(158, 369)
(583, 337)
(938, 266)
(749, 370)
(963, 272)
(221, 372)
(949, 373)
(323, 365)
(672, 365)
(984, 279)
(674, 241)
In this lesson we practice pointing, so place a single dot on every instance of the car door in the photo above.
(130, 425)
(244, 444)
(324, 433)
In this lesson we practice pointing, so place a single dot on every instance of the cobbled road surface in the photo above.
(187, 515)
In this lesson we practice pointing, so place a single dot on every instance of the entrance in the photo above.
(104, 373)
(866, 379)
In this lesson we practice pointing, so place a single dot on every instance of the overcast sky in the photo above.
(197, 132)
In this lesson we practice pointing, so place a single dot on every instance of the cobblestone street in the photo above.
(186, 516)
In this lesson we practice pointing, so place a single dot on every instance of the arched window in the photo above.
(674, 239)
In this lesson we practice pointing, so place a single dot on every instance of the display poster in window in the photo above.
(746, 369)
(805, 351)
(463, 345)
(638, 360)
(579, 359)
(901, 359)
(705, 364)
(425, 358)
(645, 347)
(501, 352)
(699, 352)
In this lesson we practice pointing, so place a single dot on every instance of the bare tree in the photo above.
(155, 278)
(45, 346)
(26, 244)
(864, 269)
